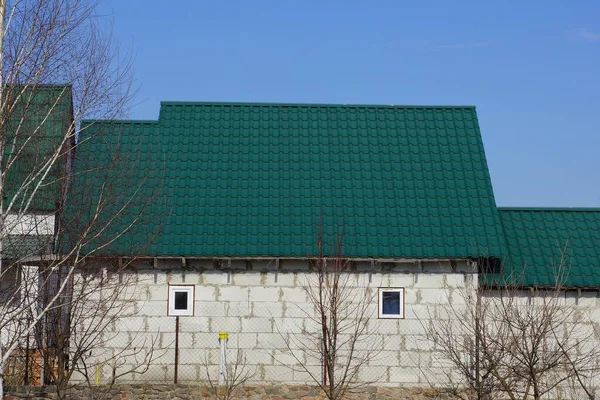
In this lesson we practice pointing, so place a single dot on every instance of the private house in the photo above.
(224, 204)
(37, 150)
(206, 223)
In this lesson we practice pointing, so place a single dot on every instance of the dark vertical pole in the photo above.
(176, 349)
(26, 378)
(325, 350)
(477, 339)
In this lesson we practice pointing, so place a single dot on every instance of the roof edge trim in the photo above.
(119, 121)
(560, 209)
(310, 105)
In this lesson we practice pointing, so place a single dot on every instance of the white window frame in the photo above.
(402, 303)
(189, 311)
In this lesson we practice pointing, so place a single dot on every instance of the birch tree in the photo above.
(58, 65)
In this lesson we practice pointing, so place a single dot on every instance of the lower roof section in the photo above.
(549, 246)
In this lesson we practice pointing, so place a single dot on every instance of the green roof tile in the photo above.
(35, 131)
(538, 239)
(17, 247)
(243, 179)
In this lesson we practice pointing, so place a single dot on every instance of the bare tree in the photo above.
(87, 321)
(235, 375)
(336, 338)
(510, 341)
(58, 66)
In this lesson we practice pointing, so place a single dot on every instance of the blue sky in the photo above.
(530, 67)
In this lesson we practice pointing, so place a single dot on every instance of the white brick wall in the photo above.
(29, 224)
(233, 293)
(265, 313)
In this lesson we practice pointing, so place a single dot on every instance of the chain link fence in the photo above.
(248, 332)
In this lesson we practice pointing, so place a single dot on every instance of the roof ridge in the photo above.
(312, 105)
(120, 121)
(560, 209)
(39, 85)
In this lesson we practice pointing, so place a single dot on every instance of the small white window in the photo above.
(391, 302)
(181, 300)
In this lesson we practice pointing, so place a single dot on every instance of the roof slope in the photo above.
(36, 129)
(116, 173)
(247, 179)
(542, 242)
(18, 247)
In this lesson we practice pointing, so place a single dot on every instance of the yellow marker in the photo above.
(223, 335)
(98, 373)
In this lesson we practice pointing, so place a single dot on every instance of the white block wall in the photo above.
(577, 319)
(264, 310)
(30, 224)
(19, 290)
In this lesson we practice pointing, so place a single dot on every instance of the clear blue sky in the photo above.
(532, 68)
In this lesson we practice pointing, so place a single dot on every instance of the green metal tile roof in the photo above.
(17, 247)
(117, 169)
(244, 179)
(538, 239)
(35, 131)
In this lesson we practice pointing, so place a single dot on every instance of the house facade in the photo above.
(225, 208)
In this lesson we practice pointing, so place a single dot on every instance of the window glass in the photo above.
(391, 303)
(181, 300)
